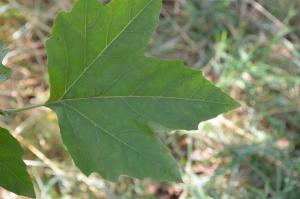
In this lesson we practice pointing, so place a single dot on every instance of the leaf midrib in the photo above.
(137, 97)
(104, 50)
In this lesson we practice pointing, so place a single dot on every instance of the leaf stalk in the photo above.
(7, 112)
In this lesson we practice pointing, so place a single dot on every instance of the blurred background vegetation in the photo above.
(249, 48)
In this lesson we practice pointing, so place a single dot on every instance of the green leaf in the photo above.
(106, 92)
(5, 73)
(13, 174)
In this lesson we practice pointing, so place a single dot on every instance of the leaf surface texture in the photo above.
(106, 92)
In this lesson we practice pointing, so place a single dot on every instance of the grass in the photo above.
(251, 49)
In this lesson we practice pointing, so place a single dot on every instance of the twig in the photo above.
(178, 29)
(270, 16)
(266, 13)
(57, 170)
(237, 129)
